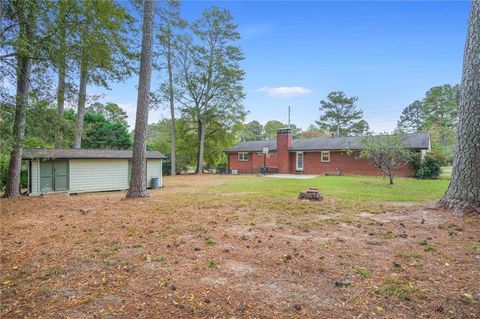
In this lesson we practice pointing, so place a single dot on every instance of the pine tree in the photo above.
(170, 23)
(463, 193)
(104, 51)
(412, 118)
(138, 183)
(340, 115)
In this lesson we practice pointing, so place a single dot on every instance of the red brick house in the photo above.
(318, 156)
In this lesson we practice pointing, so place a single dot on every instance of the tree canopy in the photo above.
(386, 152)
(341, 116)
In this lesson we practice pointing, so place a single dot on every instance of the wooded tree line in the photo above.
(54, 51)
(436, 113)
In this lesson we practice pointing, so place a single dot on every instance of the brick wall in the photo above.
(284, 141)
(347, 164)
(285, 161)
(255, 161)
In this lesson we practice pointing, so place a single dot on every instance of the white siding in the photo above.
(89, 175)
(35, 173)
(154, 169)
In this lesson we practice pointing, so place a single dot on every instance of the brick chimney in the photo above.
(284, 141)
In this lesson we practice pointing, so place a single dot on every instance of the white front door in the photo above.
(299, 161)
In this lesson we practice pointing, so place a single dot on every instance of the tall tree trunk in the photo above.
(201, 146)
(82, 96)
(62, 71)
(138, 183)
(60, 103)
(463, 193)
(24, 71)
(173, 154)
(203, 121)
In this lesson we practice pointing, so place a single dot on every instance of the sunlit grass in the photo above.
(446, 172)
(344, 188)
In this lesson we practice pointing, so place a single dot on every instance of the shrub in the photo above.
(4, 161)
(429, 168)
(166, 167)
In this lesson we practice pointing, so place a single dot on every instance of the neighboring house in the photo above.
(84, 170)
(314, 155)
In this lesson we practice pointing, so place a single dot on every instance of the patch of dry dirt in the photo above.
(182, 254)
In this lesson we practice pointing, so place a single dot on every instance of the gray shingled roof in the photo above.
(412, 141)
(253, 146)
(33, 153)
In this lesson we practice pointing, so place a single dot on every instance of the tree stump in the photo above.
(310, 194)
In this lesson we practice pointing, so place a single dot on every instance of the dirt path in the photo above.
(187, 252)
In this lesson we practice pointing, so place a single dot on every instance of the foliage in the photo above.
(313, 131)
(436, 113)
(429, 168)
(158, 139)
(100, 132)
(209, 77)
(341, 116)
(412, 118)
(386, 152)
(41, 121)
(218, 138)
(34, 44)
(271, 128)
(4, 160)
(170, 25)
(106, 41)
(166, 166)
(252, 131)
(110, 111)
(441, 107)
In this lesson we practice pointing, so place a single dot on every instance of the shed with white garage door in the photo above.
(85, 170)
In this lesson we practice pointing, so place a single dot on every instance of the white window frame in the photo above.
(242, 158)
(321, 156)
(296, 161)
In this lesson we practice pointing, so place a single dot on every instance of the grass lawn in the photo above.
(446, 172)
(243, 247)
(345, 188)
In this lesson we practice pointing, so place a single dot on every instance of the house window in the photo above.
(325, 156)
(243, 157)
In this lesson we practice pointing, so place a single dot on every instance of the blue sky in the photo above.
(386, 53)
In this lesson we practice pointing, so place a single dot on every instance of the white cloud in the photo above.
(285, 91)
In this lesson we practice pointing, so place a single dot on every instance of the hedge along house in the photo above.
(85, 170)
(319, 156)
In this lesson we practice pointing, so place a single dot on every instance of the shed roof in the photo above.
(416, 141)
(65, 153)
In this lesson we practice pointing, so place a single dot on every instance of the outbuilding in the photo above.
(85, 170)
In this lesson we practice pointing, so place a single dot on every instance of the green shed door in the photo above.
(53, 176)
(60, 169)
(46, 176)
